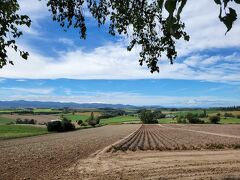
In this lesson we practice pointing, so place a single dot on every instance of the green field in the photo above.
(4, 120)
(167, 120)
(46, 111)
(199, 111)
(16, 131)
(119, 120)
(77, 117)
(230, 120)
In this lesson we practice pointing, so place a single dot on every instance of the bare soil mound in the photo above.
(38, 118)
(158, 165)
(158, 137)
(45, 156)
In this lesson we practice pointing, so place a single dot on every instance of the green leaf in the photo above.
(225, 3)
(218, 2)
(24, 55)
(183, 3)
(229, 19)
(237, 1)
(170, 6)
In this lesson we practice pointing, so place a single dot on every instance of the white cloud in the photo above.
(112, 61)
(25, 91)
(36, 11)
(205, 29)
(66, 41)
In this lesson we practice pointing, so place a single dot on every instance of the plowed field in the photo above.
(159, 137)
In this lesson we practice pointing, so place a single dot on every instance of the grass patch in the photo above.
(167, 120)
(4, 120)
(230, 120)
(46, 111)
(119, 120)
(76, 117)
(16, 131)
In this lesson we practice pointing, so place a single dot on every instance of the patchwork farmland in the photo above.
(84, 154)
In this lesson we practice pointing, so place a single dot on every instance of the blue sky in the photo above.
(62, 67)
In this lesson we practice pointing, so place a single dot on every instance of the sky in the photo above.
(62, 67)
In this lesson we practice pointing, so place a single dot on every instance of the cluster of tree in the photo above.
(214, 119)
(228, 115)
(109, 113)
(92, 121)
(196, 118)
(230, 108)
(25, 121)
(148, 117)
(60, 125)
(193, 118)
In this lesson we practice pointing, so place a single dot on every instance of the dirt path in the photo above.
(158, 165)
(203, 132)
(43, 157)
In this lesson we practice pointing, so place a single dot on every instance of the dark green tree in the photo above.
(141, 20)
(214, 119)
(10, 21)
(148, 117)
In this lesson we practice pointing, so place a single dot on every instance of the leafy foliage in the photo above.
(230, 15)
(25, 121)
(60, 126)
(214, 119)
(141, 20)
(148, 117)
(144, 22)
(194, 119)
(9, 32)
(93, 121)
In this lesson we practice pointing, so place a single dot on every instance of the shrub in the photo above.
(184, 121)
(92, 123)
(84, 124)
(238, 116)
(54, 126)
(25, 121)
(179, 119)
(67, 125)
(214, 119)
(228, 115)
(147, 117)
(193, 119)
(18, 121)
(158, 114)
(79, 122)
(60, 126)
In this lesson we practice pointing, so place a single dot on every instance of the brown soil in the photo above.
(38, 118)
(161, 137)
(158, 165)
(43, 157)
(67, 155)
(230, 129)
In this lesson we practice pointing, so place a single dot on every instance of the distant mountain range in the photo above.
(39, 104)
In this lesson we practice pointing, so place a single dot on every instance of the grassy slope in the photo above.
(15, 131)
(167, 120)
(230, 120)
(119, 119)
(4, 120)
(76, 117)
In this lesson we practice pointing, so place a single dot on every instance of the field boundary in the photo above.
(106, 149)
(203, 132)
